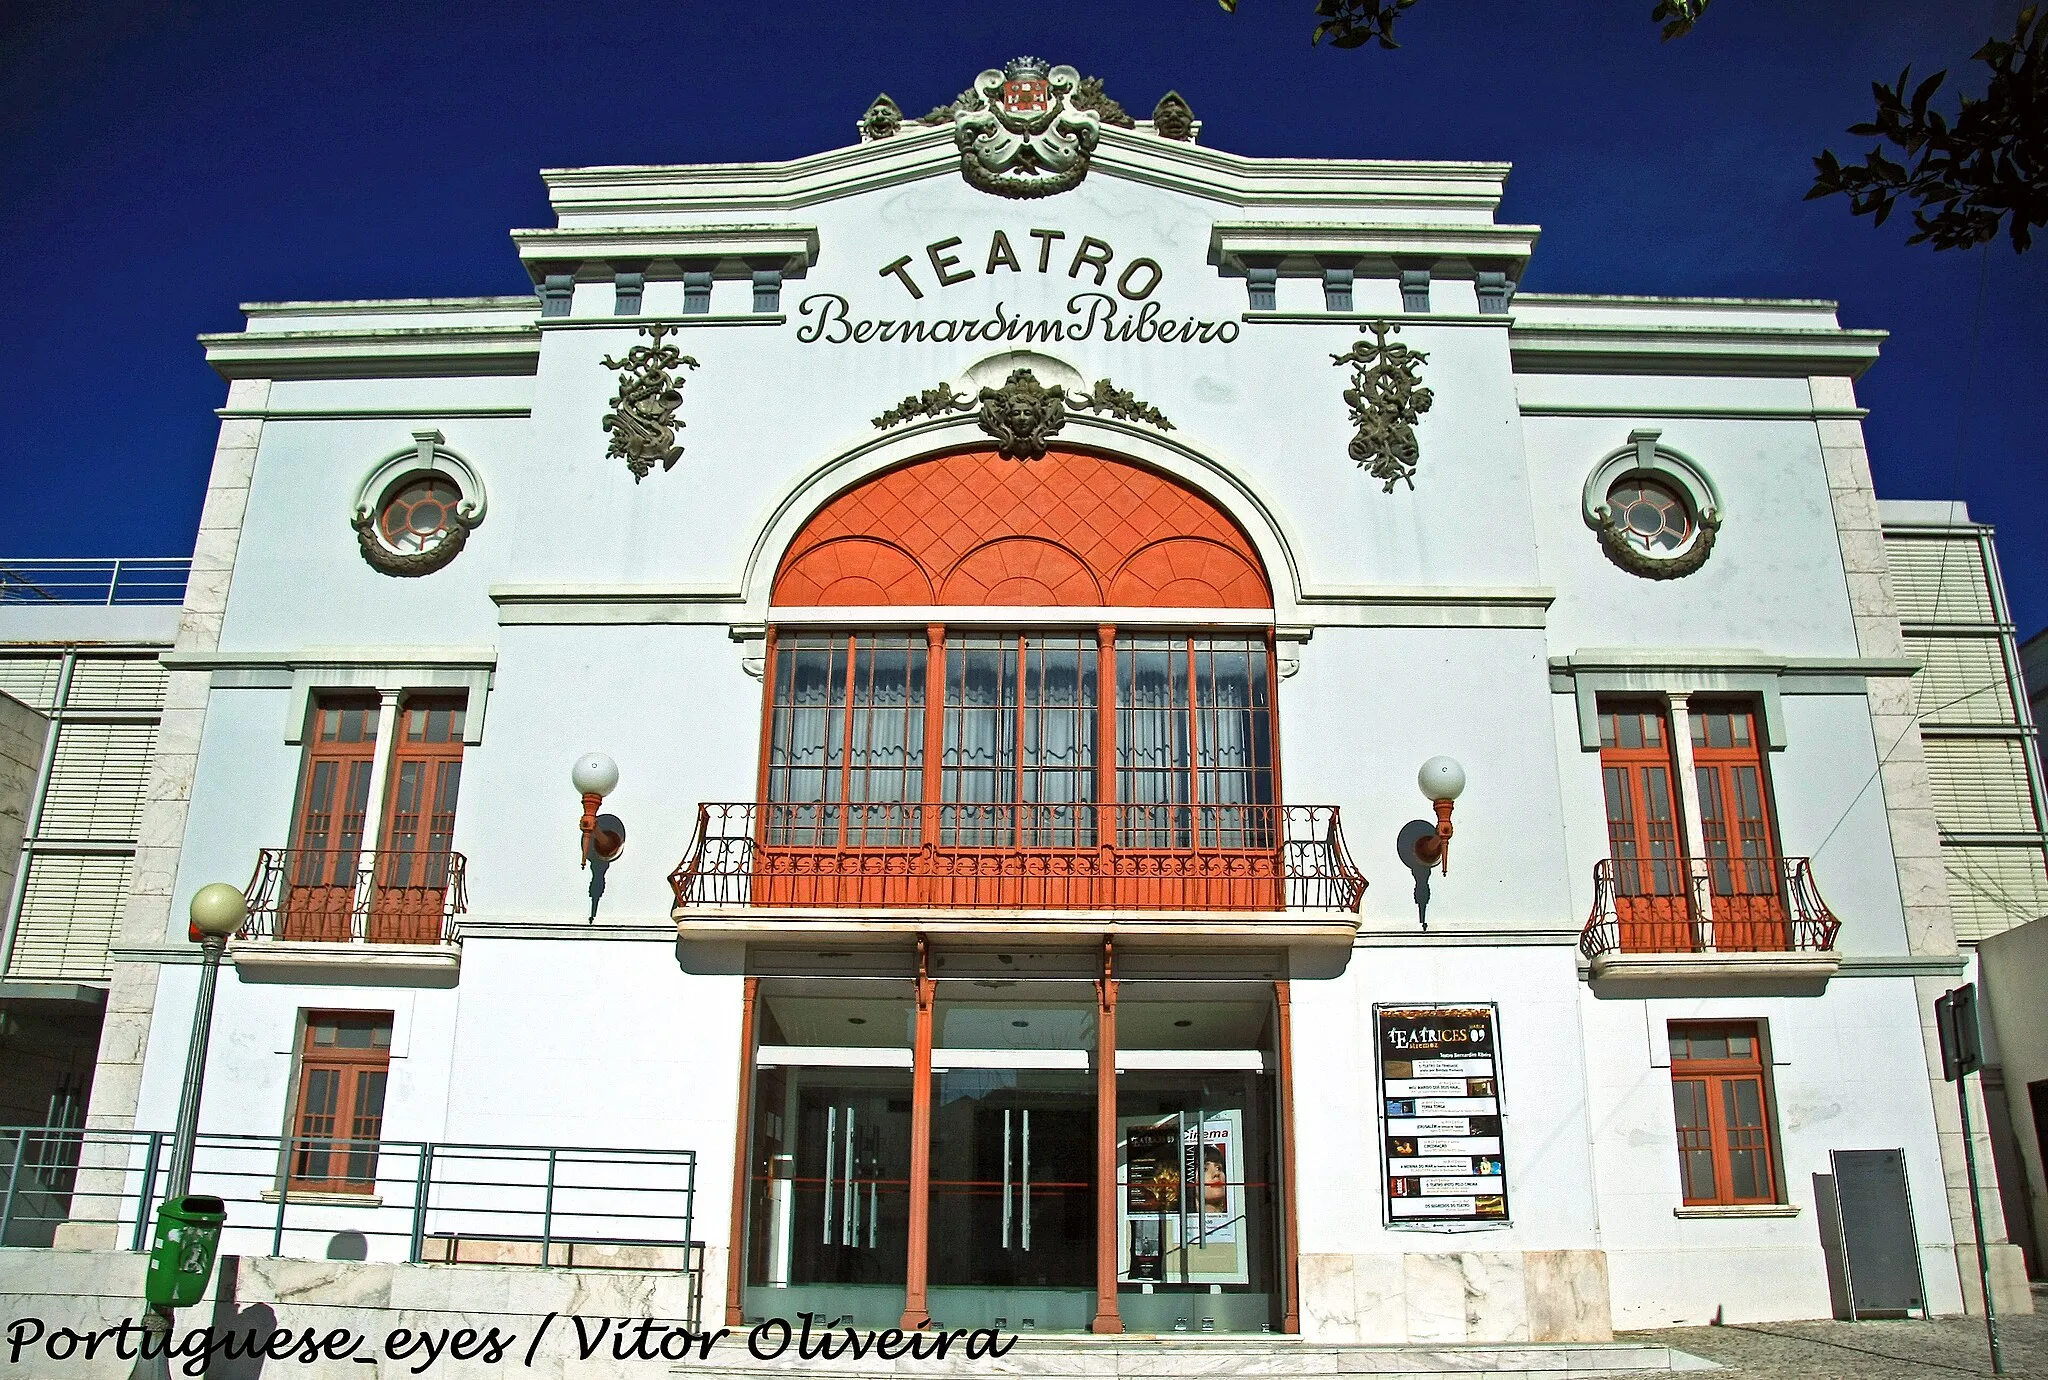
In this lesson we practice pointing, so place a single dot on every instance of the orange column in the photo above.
(742, 1163)
(916, 1312)
(1106, 1317)
(1105, 750)
(934, 730)
(1290, 1258)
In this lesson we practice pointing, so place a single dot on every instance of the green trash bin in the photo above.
(181, 1260)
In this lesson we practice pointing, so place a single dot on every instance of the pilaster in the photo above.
(147, 914)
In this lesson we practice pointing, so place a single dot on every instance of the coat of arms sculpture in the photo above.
(1023, 132)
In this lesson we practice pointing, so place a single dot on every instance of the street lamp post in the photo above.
(217, 912)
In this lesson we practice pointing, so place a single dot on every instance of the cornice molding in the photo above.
(401, 352)
(1756, 351)
(792, 248)
(626, 195)
(1298, 243)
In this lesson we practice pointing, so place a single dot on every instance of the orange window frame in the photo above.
(1726, 1121)
(338, 1112)
(329, 817)
(1112, 778)
(1738, 819)
(1646, 840)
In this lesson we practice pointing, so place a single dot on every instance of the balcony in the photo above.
(393, 913)
(1722, 924)
(1069, 866)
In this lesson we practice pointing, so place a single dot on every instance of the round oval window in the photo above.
(418, 513)
(1650, 515)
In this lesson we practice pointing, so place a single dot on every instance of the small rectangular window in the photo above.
(1722, 1108)
(344, 1069)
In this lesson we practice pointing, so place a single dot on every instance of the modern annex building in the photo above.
(1017, 566)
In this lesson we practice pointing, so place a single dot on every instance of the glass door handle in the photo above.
(850, 1212)
(1006, 1178)
(831, 1140)
(1024, 1193)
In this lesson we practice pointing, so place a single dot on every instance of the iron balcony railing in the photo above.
(342, 895)
(1728, 905)
(1020, 857)
(408, 1201)
(126, 580)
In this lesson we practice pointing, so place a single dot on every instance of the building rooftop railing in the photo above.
(354, 895)
(1694, 905)
(119, 580)
(1009, 856)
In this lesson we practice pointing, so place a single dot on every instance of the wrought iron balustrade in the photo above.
(126, 580)
(341, 895)
(1009, 856)
(1700, 905)
(413, 1201)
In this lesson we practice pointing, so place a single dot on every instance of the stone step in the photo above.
(1083, 1358)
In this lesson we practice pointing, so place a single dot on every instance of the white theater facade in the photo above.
(1018, 564)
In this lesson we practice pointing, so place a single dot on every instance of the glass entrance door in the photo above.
(1013, 1199)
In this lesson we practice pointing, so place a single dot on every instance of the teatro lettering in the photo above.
(1113, 305)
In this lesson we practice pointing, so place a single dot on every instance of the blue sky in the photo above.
(165, 162)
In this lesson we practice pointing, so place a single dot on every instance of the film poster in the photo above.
(1440, 1107)
(1181, 1205)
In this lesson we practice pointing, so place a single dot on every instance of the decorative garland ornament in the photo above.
(1023, 414)
(1387, 399)
(643, 417)
(436, 528)
(1614, 540)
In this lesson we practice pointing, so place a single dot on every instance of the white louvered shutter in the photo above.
(1963, 681)
(1939, 580)
(1991, 890)
(69, 910)
(31, 679)
(96, 782)
(1980, 785)
(116, 683)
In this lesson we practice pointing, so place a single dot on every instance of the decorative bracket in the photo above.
(1386, 398)
(1024, 414)
(643, 417)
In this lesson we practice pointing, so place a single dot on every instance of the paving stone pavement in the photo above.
(1940, 1349)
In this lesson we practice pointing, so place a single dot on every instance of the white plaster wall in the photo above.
(1847, 1074)
(1544, 1116)
(1369, 706)
(671, 704)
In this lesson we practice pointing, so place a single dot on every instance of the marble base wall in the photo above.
(88, 1291)
(1456, 1297)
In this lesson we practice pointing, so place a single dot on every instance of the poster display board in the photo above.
(1180, 1198)
(1440, 1115)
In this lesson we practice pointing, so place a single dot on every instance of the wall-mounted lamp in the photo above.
(596, 776)
(1442, 781)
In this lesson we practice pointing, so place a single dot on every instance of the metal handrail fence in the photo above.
(1019, 856)
(415, 1200)
(355, 895)
(122, 580)
(1712, 905)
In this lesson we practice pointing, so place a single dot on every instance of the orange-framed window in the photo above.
(1725, 1124)
(1020, 731)
(344, 1067)
(1020, 740)
(1637, 771)
(334, 790)
(426, 778)
(1739, 843)
(845, 752)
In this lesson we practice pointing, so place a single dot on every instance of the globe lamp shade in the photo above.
(1441, 778)
(218, 910)
(594, 774)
